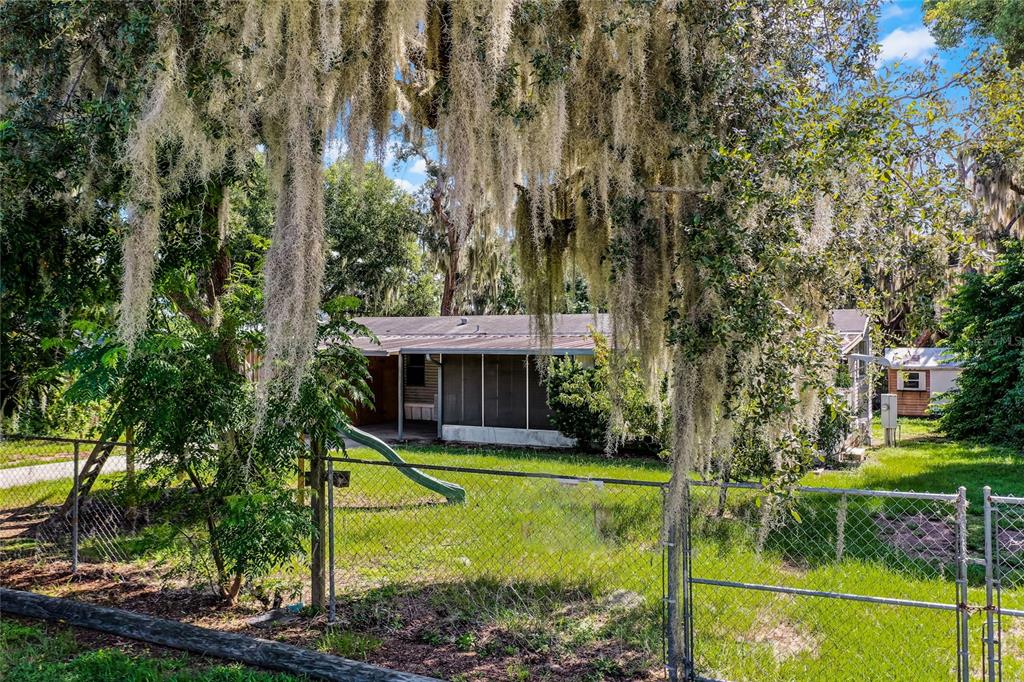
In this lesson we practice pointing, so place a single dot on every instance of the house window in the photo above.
(913, 381)
(416, 370)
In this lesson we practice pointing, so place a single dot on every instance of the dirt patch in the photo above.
(919, 536)
(1011, 541)
(1012, 639)
(10, 460)
(421, 630)
(21, 522)
(101, 513)
(786, 639)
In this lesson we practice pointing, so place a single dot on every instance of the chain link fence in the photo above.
(58, 499)
(1004, 521)
(575, 575)
(827, 584)
(567, 570)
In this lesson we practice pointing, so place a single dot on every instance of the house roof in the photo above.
(921, 358)
(516, 334)
(851, 325)
(480, 334)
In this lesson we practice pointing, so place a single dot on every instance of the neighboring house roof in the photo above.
(480, 334)
(851, 325)
(921, 358)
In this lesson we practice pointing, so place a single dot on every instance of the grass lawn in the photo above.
(535, 575)
(925, 461)
(34, 653)
(17, 453)
(598, 542)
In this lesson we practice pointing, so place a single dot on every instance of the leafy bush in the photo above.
(786, 409)
(985, 323)
(834, 425)
(588, 406)
(261, 530)
(195, 425)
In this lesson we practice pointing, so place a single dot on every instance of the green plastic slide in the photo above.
(453, 493)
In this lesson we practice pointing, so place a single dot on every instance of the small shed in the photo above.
(919, 377)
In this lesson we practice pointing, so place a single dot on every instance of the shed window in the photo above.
(913, 381)
(416, 370)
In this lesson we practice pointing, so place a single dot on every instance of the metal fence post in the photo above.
(74, 511)
(963, 631)
(687, 585)
(318, 595)
(679, 597)
(990, 631)
(671, 593)
(331, 609)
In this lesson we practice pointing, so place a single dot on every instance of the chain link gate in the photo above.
(822, 583)
(1004, 573)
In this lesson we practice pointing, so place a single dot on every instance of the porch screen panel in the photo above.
(461, 385)
(451, 386)
(505, 391)
(540, 413)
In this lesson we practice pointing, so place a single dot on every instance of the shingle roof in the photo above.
(851, 325)
(921, 358)
(497, 334)
(485, 334)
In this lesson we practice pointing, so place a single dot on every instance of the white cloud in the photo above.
(418, 168)
(893, 10)
(406, 186)
(906, 45)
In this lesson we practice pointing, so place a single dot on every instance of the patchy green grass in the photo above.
(30, 653)
(347, 644)
(570, 463)
(47, 493)
(17, 453)
(528, 572)
(925, 461)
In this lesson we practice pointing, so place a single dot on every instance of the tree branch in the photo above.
(189, 310)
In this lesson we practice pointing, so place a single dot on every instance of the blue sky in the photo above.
(904, 40)
(408, 175)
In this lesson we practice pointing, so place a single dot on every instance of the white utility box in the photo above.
(889, 410)
(889, 419)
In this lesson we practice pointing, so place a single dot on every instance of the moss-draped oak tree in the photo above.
(673, 146)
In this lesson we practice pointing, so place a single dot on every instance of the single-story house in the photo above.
(919, 376)
(468, 378)
(855, 347)
(474, 378)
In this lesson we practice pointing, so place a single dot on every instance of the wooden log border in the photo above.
(227, 645)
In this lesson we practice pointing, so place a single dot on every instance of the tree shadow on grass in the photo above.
(504, 629)
(914, 539)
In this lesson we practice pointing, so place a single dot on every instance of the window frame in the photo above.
(921, 384)
(416, 374)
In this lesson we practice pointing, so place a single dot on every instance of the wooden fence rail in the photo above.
(227, 645)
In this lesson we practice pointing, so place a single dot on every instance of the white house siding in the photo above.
(494, 435)
(944, 380)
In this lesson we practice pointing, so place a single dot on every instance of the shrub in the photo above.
(834, 425)
(985, 323)
(587, 406)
